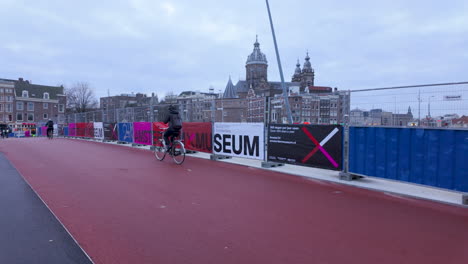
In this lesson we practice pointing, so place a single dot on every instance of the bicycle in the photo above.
(176, 149)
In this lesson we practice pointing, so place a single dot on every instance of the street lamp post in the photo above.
(429, 106)
(283, 86)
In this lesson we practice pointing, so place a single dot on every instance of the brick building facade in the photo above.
(32, 103)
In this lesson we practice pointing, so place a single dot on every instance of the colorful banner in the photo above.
(72, 130)
(80, 129)
(126, 132)
(197, 136)
(20, 133)
(65, 131)
(89, 130)
(98, 130)
(110, 131)
(157, 128)
(245, 140)
(307, 145)
(142, 133)
(44, 131)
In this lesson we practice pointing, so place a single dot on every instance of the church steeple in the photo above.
(297, 73)
(307, 66)
(308, 74)
(230, 91)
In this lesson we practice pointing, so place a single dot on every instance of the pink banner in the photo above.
(44, 131)
(142, 133)
(72, 130)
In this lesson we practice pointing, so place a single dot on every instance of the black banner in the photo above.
(110, 131)
(306, 145)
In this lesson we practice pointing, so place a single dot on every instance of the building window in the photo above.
(19, 106)
(30, 106)
(9, 108)
(61, 108)
(1, 98)
(10, 118)
(46, 96)
(19, 117)
(1, 90)
(25, 94)
(46, 116)
(46, 106)
(9, 98)
(1, 107)
(30, 117)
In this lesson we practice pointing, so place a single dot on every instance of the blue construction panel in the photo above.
(433, 157)
(446, 159)
(417, 156)
(431, 139)
(352, 149)
(381, 153)
(126, 132)
(65, 131)
(392, 153)
(370, 153)
(461, 161)
(360, 150)
(404, 154)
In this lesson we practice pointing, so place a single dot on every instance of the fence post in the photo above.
(345, 175)
(266, 121)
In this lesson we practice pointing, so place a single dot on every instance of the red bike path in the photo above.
(124, 206)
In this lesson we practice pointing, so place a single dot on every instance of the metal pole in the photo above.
(345, 175)
(283, 86)
(419, 108)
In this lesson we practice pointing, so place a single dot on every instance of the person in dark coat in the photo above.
(50, 127)
(175, 125)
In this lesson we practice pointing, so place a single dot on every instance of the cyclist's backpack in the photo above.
(176, 122)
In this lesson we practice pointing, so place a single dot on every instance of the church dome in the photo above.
(257, 57)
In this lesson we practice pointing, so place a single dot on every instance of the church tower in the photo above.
(256, 67)
(297, 74)
(308, 74)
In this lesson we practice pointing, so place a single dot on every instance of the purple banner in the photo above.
(72, 130)
(142, 133)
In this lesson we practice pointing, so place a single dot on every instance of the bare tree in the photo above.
(81, 98)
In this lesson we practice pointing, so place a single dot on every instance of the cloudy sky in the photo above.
(157, 46)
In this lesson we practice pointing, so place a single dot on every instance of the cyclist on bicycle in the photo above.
(50, 127)
(175, 125)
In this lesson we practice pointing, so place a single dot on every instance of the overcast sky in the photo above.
(177, 45)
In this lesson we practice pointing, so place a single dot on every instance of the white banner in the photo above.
(98, 130)
(55, 130)
(246, 140)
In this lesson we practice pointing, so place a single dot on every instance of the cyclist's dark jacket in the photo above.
(173, 118)
(50, 124)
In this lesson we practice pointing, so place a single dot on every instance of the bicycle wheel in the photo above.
(159, 150)
(178, 152)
